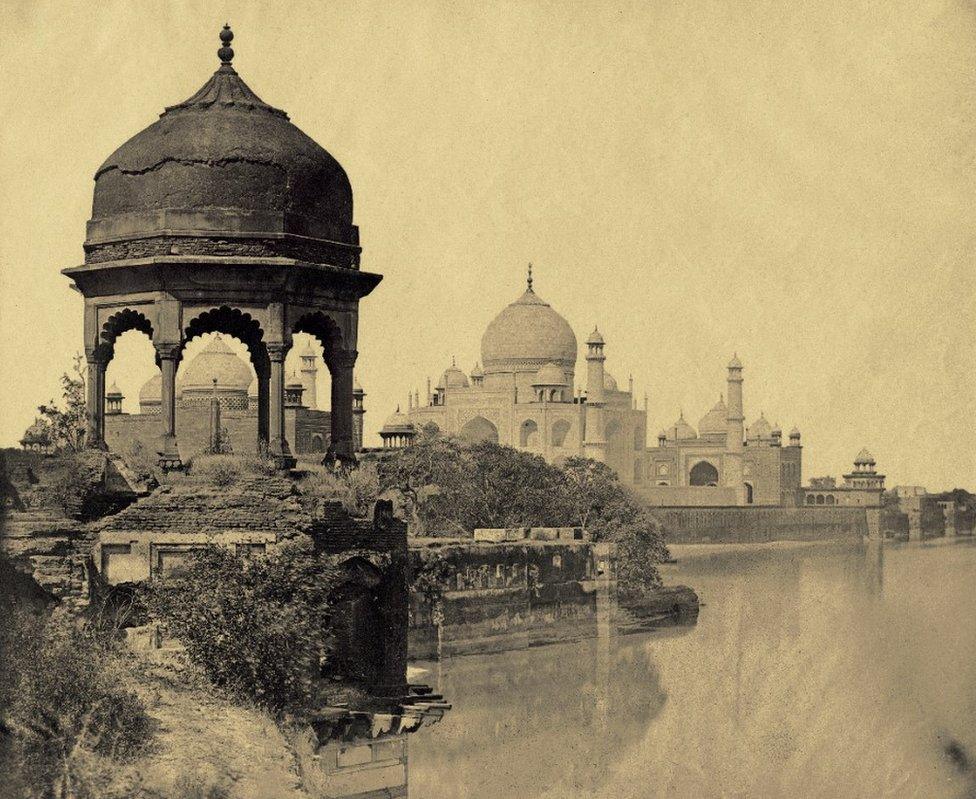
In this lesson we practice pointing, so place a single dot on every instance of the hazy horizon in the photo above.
(793, 184)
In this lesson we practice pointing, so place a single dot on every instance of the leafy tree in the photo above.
(66, 425)
(514, 488)
(595, 493)
(436, 475)
(258, 627)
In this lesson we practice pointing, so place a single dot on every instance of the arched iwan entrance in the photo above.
(477, 430)
(703, 474)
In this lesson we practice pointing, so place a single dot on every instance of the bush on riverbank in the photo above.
(66, 721)
(257, 627)
(455, 488)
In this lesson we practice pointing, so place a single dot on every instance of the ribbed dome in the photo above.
(715, 421)
(152, 390)
(216, 360)
(222, 161)
(526, 336)
(549, 375)
(113, 391)
(609, 382)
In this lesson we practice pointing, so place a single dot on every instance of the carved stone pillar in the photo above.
(341, 366)
(264, 389)
(278, 444)
(95, 401)
(169, 453)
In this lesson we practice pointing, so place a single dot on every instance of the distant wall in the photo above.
(755, 525)
(698, 496)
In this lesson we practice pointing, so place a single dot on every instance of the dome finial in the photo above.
(528, 280)
(226, 53)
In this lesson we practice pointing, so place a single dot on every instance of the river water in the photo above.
(814, 671)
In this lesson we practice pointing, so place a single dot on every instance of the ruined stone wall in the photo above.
(756, 525)
(504, 596)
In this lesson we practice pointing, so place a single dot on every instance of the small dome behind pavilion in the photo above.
(216, 360)
(609, 382)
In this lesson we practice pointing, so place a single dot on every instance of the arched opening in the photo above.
(748, 493)
(335, 381)
(560, 430)
(125, 345)
(529, 434)
(820, 499)
(811, 499)
(662, 482)
(830, 500)
(703, 474)
(477, 430)
(317, 443)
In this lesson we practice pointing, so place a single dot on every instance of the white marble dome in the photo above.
(219, 361)
(526, 336)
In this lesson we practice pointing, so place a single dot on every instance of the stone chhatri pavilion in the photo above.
(222, 216)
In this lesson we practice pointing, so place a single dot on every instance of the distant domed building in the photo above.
(722, 463)
(522, 393)
(219, 372)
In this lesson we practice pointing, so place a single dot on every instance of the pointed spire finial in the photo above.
(528, 280)
(226, 53)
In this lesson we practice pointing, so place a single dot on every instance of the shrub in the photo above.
(77, 484)
(356, 489)
(218, 470)
(67, 716)
(257, 627)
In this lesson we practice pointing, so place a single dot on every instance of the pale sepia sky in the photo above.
(792, 182)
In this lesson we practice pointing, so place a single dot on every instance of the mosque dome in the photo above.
(759, 429)
(681, 430)
(715, 421)
(550, 375)
(453, 378)
(609, 382)
(225, 162)
(596, 337)
(219, 361)
(526, 336)
(152, 390)
(477, 371)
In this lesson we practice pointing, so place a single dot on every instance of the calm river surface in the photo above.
(814, 671)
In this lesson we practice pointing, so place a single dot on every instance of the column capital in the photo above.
(97, 356)
(168, 351)
(277, 351)
(343, 359)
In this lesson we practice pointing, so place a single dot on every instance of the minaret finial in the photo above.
(528, 280)
(226, 53)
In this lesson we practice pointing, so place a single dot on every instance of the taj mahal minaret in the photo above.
(732, 460)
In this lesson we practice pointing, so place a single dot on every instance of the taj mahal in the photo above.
(524, 394)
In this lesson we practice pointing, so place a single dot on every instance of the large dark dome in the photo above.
(224, 163)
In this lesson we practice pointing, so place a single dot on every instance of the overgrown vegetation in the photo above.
(452, 488)
(66, 721)
(64, 423)
(356, 489)
(225, 470)
(258, 627)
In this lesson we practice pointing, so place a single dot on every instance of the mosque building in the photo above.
(523, 394)
(218, 372)
(724, 463)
